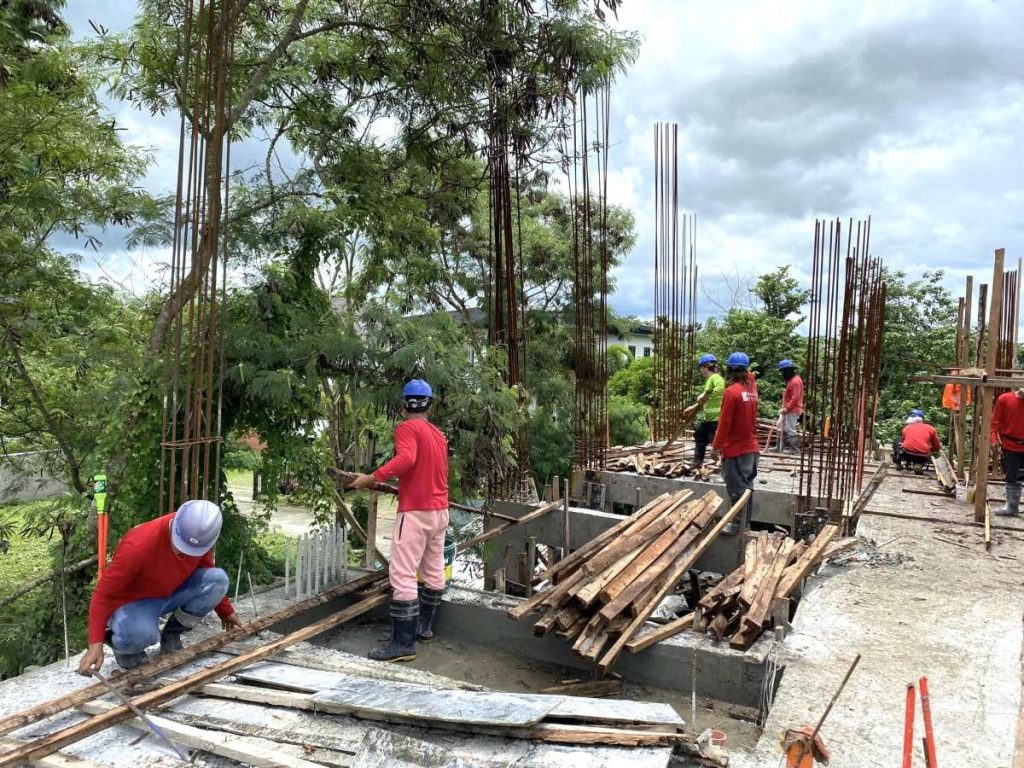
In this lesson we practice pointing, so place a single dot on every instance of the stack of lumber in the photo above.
(742, 606)
(656, 459)
(600, 596)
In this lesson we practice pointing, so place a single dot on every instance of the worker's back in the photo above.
(423, 485)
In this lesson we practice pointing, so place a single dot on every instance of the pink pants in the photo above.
(417, 542)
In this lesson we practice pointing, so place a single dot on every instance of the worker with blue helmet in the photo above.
(792, 407)
(421, 466)
(917, 443)
(736, 436)
(709, 403)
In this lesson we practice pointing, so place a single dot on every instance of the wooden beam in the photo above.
(588, 688)
(663, 632)
(994, 310)
(348, 477)
(675, 573)
(56, 760)
(985, 382)
(75, 733)
(795, 573)
(371, 531)
(529, 517)
(350, 518)
(169, 661)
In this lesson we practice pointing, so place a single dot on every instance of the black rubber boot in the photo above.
(125, 661)
(430, 599)
(405, 616)
(179, 623)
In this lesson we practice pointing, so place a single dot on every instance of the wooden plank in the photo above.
(982, 449)
(371, 531)
(684, 564)
(635, 580)
(248, 750)
(646, 529)
(757, 615)
(529, 517)
(588, 688)
(568, 616)
(354, 524)
(556, 596)
(56, 760)
(574, 560)
(765, 558)
(169, 661)
(663, 632)
(384, 698)
(715, 595)
(72, 734)
(589, 591)
(795, 573)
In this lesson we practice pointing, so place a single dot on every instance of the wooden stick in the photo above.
(348, 477)
(795, 573)
(75, 733)
(982, 449)
(529, 517)
(663, 632)
(165, 662)
(684, 564)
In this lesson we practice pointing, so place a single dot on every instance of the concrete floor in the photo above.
(949, 612)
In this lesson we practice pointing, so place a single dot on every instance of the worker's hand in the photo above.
(229, 622)
(362, 481)
(688, 413)
(92, 660)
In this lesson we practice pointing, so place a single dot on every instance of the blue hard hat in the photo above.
(738, 360)
(787, 363)
(417, 388)
(917, 412)
(195, 527)
(705, 359)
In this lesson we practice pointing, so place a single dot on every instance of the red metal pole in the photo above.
(908, 728)
(926, 712)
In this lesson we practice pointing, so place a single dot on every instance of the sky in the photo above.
(788, 110)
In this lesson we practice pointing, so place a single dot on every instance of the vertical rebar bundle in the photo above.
(844, 346)
(190, 444)
(589, 201)
(321, 561)
(675, 290)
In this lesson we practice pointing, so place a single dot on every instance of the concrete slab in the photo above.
(948, 611)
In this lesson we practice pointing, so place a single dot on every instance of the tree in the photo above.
(780, 293)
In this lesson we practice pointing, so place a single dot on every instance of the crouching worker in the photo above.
(917, 444)
(160, 568)
(421, 466)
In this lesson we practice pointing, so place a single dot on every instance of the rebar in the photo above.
(846, 321)
(675, 286)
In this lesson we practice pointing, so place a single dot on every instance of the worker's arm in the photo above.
(224, 609)
(702, 398)
(997, 418)
(405, 455)
(122, 570)
(933, 442)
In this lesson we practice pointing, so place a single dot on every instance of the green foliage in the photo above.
(780, 293)
(635, 382)
(627, 422)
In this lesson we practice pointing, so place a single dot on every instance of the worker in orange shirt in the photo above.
(917, 444)
(1008, 433)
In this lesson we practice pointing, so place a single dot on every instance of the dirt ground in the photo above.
(490, 667)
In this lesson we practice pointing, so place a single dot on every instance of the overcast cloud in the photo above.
(787, 110)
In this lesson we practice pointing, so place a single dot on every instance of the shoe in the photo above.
(129, 661)
(430, 599)
(405, 617)
(179, 623)
(919, 469)
(1012, 506)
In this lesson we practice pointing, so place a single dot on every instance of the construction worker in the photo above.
(710, 404)
(1008, 432)
(736, 436)
(421, 466)
(161, 567)
(792, 407)
(917, 444)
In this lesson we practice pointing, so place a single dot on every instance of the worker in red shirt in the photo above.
(421, 466)
(1008, 433)
(917, 444)
(792, 407)
(161, 567)
(736, 436)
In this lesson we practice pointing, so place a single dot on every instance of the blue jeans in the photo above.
(136, 626)
(739, 474)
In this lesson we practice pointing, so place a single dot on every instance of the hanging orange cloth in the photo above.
(951, 396)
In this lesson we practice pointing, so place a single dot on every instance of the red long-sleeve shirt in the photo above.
(921, 439)
(421, 466)
(737, 423)
(1008, 423)
(793, 397)
(144, 565)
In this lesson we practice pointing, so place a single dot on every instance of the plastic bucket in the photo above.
(717, 738)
